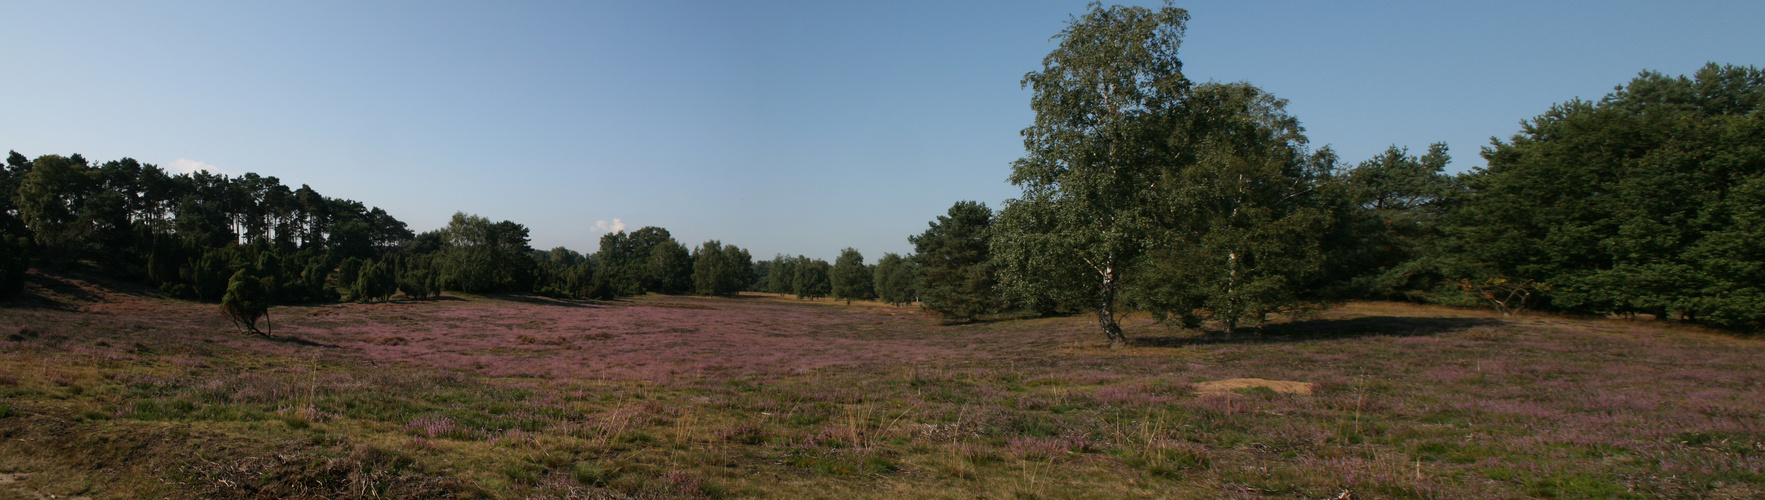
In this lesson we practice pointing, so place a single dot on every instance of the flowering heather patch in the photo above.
(636, 343)
(433, 426)
(761, 396)
(1131, 395)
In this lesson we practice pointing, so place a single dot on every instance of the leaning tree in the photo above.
(247, 300)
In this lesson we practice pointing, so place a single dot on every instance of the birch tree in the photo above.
(1243, 213)
(1102, 100)
(1194, 201)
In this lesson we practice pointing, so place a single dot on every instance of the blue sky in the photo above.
(781, 127)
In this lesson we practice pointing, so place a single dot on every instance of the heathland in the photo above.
(1187, 300)
(111, 390)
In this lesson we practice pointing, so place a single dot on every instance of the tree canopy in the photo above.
(1647, 201)
(851, 279)
(1243, 210)
(720, 269)
(897, 279)
(957, 277)
(1198, 201)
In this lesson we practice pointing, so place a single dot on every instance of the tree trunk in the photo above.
(1106, 308)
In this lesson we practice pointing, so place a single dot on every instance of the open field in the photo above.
(109, 394)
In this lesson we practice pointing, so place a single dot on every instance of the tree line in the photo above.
(1197, 202)
(1201, 201)
(250, 241)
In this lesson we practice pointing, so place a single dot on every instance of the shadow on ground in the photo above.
(1323, 329)
(43, 291)
(290, 339)
(432, 298)
(544, 301)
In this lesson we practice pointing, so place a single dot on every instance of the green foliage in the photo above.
(812, 280)
(269, 266)
(851, 279)
(560, 256)
(953, 257)
(781, 274)
(375, 282)
(565, 273)
(208, 276)
(1241, 223)
(759, 276)
(708, 268)
(185, 233)
(1647, 201)
(645, 260)
(350, 239)
(49, 197)
(670, 268)
(349, 273)
(426, 243)
(720, 269)
(1096, 153)
(738, 273)
(1193, 200)
(11, 175)
(1397, 201)
(415, 284)
(15, 259)
(247, 300)
(312, 285)
(485, 257)
(897, 279)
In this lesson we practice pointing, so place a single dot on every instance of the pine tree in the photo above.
(851, 279)
(1645, 202)
(955, 264)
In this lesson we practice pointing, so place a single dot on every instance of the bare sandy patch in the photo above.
(1281, 386)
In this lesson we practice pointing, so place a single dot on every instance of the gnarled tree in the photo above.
(247, 300)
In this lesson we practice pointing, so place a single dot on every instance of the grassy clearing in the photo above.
(114, 394)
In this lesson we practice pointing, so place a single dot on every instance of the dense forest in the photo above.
(1142, 190)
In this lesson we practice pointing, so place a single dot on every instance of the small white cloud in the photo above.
(603, 226)
(189, 166)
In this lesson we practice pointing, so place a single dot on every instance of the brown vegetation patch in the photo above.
(135, 460)
(1281, 386)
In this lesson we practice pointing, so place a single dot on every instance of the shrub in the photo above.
(246, 301)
